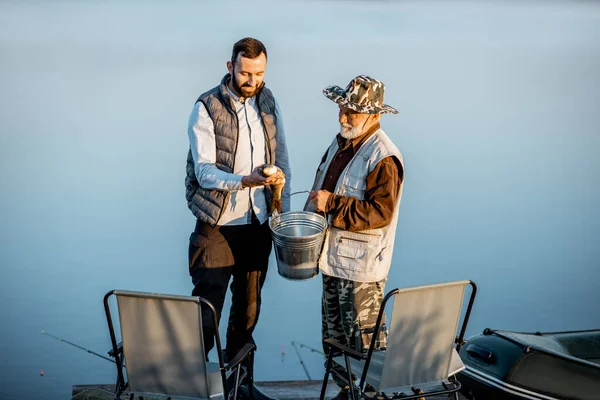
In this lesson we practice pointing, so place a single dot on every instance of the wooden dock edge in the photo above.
(287, 390)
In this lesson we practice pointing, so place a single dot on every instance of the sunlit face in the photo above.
(354, 124)
(247, 74)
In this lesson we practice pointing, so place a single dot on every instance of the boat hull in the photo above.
(476, 385)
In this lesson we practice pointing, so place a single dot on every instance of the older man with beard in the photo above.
(358, 186)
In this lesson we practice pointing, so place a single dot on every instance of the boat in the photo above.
(546, 366)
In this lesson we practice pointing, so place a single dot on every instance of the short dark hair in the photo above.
(247, 47)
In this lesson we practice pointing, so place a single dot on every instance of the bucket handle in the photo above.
(291, 194)
(275, 213)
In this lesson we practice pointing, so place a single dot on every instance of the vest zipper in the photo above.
(266, 135)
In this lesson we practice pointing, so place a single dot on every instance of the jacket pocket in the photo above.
(209, 249)
(197, 251)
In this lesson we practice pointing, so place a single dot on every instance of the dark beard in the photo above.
(238, 89)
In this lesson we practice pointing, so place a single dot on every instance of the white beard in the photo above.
(349, 132)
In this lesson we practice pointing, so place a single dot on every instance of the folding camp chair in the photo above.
(163, 352)
(420, 359)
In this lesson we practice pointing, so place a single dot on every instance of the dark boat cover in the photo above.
(559, 365)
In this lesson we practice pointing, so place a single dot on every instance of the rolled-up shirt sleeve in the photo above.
(204, 152)
(376, 210)
(282, 159)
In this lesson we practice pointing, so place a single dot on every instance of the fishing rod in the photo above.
(301, 362)
(310, 348)
(75, 345)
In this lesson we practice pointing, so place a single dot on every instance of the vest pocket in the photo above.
(353, 186)
(351, 248)
(354, 251)
(268, 121)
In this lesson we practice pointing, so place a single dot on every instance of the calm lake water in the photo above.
(499, 126)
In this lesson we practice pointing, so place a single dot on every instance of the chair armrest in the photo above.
(344, 349)
(241, 355)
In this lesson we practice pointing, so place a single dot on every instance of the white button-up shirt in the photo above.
(251, 152)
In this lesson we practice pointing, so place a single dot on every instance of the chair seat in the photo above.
(215, 383)
(215, 387)
(376, 367)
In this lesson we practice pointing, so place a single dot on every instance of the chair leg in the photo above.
(251, 375)
(327, 372)
(237, 382)
(350, 377)
(352, 396)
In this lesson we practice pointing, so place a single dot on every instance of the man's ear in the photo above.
(230, 67)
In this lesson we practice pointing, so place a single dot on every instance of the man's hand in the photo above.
(273, 171)
(256, 178)
(319, 199)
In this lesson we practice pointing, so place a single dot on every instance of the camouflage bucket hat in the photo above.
(363, 95)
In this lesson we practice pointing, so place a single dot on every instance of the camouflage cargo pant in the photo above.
(349, 314)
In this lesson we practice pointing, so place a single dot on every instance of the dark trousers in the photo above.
(215, 255)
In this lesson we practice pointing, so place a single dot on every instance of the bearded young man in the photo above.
(358, 186)
(234, 129)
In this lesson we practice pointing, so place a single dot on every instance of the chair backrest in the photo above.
(162, 344)
(422, 332)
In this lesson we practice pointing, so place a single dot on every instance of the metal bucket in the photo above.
(298, 238)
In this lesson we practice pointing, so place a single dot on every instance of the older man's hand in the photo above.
(319, 199)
